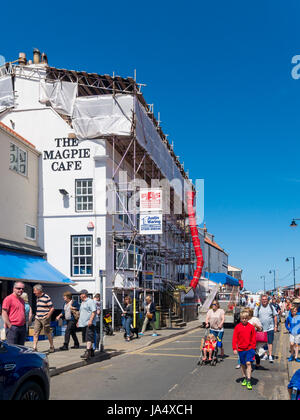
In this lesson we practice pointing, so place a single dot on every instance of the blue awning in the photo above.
(222, 278)
(29, 268)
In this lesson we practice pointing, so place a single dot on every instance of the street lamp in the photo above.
(287, 259)
(293, 223)
(274, 279)
(264, 277)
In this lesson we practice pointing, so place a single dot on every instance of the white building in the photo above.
(99, 143)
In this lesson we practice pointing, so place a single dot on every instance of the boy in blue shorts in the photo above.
(244, 344)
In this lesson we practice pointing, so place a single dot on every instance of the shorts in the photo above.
(295, 339)
(219, 336)
(247, 356)
(88, 333)
(40, 324)
(270, 336)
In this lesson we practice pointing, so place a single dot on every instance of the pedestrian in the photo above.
(292, 324)
(70, 313)
(14, 317)
(267, 315)
(128, 317)
(28, 311)
(258, 328)
(215, 319)
(98, 312)
(44, 311)
(150, 316)
(87, 321)
(244, 344)
(288, 306)
(277, 309)
(251, 304)
(209, 346)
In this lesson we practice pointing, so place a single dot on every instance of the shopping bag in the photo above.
(261, 336)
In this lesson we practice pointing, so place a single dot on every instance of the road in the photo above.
(168, 371)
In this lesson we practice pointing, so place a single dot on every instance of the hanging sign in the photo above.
(151, 224)
(150, 199)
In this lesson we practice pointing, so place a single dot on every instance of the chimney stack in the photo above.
(36, 56)
(22, 59)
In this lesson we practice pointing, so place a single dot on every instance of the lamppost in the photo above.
(293, 223)
(294, 271)
(274, 279)
(264, 277)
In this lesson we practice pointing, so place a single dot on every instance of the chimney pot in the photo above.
(22, 59)
(36, 56)
(44, 58)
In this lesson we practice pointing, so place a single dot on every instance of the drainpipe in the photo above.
(195, 239)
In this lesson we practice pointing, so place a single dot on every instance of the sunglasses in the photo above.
(19, 288)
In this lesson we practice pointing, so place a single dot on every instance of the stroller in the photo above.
(214, 356)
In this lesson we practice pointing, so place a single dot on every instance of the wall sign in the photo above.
(150, 199)
(67, 155)
(151, 224)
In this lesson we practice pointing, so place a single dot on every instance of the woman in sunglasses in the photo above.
(13, 314)
(215, 320)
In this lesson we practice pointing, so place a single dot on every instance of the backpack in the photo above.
(268, 306)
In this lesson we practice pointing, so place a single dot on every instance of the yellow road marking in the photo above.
(178, 355)
(280, 344)
(180, 348)
(168, 355)
(105, 367)
(161, 343)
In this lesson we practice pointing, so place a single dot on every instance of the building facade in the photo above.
(95, 158)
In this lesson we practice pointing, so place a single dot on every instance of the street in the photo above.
(168, 371)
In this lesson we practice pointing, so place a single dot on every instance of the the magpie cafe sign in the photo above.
(66, 156)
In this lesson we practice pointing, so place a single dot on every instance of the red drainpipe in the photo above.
(195, 239)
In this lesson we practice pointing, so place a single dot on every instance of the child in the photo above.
(209, 346)
(292, 324)
(244, 344)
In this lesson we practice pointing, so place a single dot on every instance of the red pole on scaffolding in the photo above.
(195, 239)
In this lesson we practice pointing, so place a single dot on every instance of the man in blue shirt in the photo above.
(87, 322)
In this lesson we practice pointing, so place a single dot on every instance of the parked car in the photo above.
(24, 374)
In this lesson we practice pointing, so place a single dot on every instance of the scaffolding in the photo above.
(158, 251)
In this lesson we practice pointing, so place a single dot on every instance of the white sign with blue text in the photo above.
(151, 224)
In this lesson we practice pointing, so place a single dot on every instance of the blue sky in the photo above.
(219, 73)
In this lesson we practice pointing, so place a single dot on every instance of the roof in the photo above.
(16, 135)
(90, 84)
(214, 244)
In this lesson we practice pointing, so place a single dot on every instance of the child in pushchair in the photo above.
(209, 347)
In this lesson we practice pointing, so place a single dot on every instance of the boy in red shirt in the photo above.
(244, 344)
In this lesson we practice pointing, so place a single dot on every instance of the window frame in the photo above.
(86, 195)
(81, 256)
(31, 227)
(18, 149)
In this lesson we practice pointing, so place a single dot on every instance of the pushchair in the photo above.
(214, 356)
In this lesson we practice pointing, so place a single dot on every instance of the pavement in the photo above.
(63, 361)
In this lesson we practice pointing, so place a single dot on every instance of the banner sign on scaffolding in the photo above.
(150, 199)
(151, 224)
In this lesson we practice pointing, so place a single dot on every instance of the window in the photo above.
(125, 257)
(30, 232)
(82, 256)
(18, 159)
(122, 206)
(84, 194)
